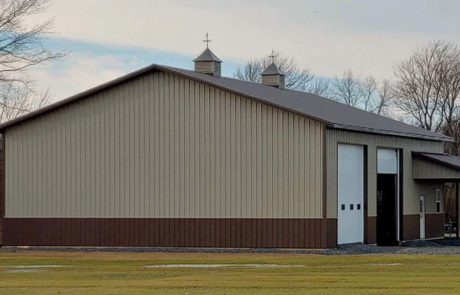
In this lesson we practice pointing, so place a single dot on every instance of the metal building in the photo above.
(172, 157)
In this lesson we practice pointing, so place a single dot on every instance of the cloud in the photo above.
(327, 36)
(88, 65)
(109, 38)
(77, 73)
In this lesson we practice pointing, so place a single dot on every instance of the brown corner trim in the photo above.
(2, 186)
(327, 239)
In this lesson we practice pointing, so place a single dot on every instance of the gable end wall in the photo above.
(160, 148)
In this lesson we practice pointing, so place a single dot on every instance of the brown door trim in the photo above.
(401, 194)
(365, 196)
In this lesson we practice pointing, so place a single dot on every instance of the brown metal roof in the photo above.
(334, 114)
(443, 159)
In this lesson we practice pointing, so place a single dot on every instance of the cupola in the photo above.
(207, 62)
(272, 76)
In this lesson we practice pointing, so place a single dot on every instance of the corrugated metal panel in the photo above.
(165, 146)
(423, 169)
(410, 187)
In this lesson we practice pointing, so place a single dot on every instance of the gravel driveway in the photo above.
(432, 247)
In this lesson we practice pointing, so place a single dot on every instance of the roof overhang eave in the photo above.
(441, 138)
(434, 160)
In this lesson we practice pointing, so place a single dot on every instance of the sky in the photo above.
(106, 39)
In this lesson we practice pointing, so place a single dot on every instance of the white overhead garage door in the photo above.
(387, 161)
(350, 194)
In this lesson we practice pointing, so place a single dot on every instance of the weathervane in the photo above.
(272, 56)
(207, 40)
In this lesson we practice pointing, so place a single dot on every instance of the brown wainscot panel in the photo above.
(169, 232)
(434, 225)
(331, 232)
(411, 227)
(371, 237)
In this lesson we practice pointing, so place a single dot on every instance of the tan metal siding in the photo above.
(410, 187)
(423, 169)
(165, 146)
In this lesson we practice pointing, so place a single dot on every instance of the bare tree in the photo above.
(385, 98)
(428, 85)
(21, 47)
(20, 100)
(347, 89)
(453, 130)
(250, 71)
(366, 93)
(427, 90)
(319, 86)
(296, 77)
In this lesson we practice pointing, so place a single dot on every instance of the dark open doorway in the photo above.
(387, 209)
(450, 205)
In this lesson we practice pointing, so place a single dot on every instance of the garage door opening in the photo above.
(350, 194)
(387, 197)
(386, 210)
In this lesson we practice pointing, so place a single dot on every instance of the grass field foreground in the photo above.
(196, 273)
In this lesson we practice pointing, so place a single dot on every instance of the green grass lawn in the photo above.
(125, 273)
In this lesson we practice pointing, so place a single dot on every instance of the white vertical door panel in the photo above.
(422, 217)
(387, 161)
(350, 194)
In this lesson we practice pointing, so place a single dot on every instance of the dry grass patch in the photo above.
(126, 273)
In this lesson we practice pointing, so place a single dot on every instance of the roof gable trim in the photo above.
(125, 78)
(178, 72)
